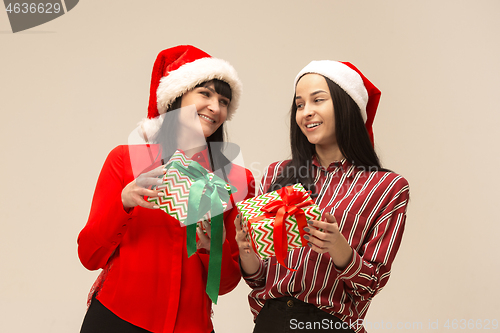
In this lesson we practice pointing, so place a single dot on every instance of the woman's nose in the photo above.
(308, 111)
(213, 105)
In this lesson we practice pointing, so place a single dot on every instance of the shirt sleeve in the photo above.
(369, 270)
(107, 222)
(258, 279)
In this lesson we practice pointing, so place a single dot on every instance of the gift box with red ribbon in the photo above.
(276, 220)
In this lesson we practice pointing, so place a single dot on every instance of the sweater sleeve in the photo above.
(107, 222)
(230, 271)
(369, 270)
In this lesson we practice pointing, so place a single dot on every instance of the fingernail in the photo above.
(306, 229)
(159, 181)
(309, 222)
(309, 244)
(156, 207)
(238, 216)
(306, 237)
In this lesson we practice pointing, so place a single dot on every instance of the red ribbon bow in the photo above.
(291, 202)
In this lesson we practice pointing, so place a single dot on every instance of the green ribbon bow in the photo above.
(206, 194)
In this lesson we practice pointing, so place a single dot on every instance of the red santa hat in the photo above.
(353, 82)
(178, 70)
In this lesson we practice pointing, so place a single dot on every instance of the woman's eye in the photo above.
(205, 93)
(300, 106)
(317, 100)
(224, 102)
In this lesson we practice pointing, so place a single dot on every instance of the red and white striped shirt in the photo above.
(370, 208)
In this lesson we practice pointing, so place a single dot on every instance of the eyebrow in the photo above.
(314, 93)
(212, 90)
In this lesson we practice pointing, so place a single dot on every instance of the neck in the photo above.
(328, 155)
(191, 151)
(190, 142)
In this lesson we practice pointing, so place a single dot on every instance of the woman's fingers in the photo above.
(242, 235)
(203, 240)
(151, 178)
(322, 234)
(237, 222)
(143, 203)
(327, 226)
(133, 195)
(207, 227)
(330, 218)
(144, 192)
(144, 181)
(204, 235)
(159, 171)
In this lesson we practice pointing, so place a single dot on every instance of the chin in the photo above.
(207, 133)
(312, 140)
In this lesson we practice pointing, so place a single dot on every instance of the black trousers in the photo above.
(101, 320)
(288, 314)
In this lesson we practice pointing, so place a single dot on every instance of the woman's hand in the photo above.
(204, 238)
(330, 240)
(241, 237)
(248, 259)
(133, 194)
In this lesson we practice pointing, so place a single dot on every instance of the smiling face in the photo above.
(315, 113)
(210, 106)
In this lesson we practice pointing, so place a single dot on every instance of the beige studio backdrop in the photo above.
(73, 88)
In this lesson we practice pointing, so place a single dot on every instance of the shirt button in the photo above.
(289, 303)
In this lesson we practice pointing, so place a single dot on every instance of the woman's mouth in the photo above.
(206, 118)
(313, 126)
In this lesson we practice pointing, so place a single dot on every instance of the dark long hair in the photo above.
(352, 139)
(169, 129)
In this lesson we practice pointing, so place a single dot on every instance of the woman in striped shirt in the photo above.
(350, 252)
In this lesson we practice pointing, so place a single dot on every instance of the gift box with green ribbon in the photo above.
(276, 220)
(194, 194)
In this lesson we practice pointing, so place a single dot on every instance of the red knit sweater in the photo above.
(147, 278)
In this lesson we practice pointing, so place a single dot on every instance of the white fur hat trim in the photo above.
(350, 81)
(189, 75)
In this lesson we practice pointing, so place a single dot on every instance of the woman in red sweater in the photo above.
(148, 283)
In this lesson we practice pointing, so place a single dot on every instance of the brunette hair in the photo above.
(352, 139)
(169, 128)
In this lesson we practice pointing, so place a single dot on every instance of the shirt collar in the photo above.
(343, 166)
(203, 158)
